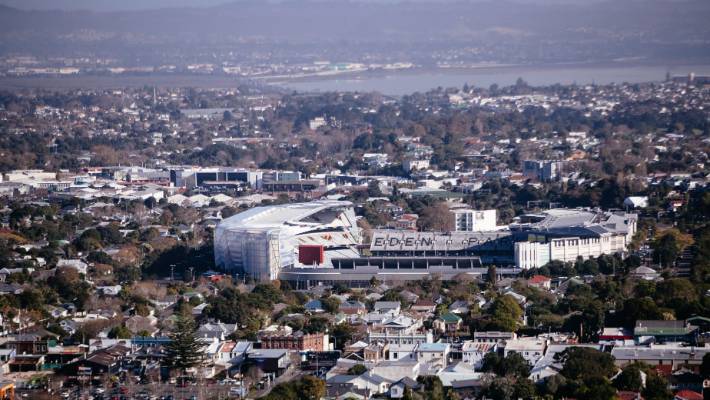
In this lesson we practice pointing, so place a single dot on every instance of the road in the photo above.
(130, 392)
(289, 375)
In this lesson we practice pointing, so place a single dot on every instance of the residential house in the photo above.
(423, 306)
(459, 307)
(549, 364)
(433, 353)
(314, 306)
(687, 395)
(375, 352)
(353, 307)
(217, 330)
(531, 348)
(540, 282)
(80, 266)
(472, 353)
(448, 323)
(398, 389)
(388, 307)
(644, 273)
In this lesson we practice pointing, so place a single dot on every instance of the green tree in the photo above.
(669, 245)
(183, 351)
(629, 378)
(524, 389)
(676, 292)
(505, 313)
(500, 388)
(705, 366)
(513, 365)
(638, 308)
(585, 362)
(342, 334)
(432, 388)
(656, 387)
(357, 369)
(330, 304)
(119, 332)
(492, 275)
(306, 388)
(592, 388)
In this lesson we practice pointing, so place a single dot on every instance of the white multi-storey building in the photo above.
(467, 220)
(566, 235)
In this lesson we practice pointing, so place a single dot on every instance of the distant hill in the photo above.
(634, 24)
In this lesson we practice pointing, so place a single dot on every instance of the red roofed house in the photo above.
(540, 281)
(629, 395)
(688, 395)
(424, 306)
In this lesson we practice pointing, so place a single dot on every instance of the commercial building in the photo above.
(673, 355)
(283, 337)
(258, 243)
(192, 177)
(467, 220)
(543, 170)
(565, 235)
(656, 331)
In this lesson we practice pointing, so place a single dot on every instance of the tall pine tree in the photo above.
(183, 351)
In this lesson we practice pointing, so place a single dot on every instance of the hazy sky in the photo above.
(104, 5)
(113, 5)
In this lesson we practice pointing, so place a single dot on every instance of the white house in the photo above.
(531, 348)
(472, 353)
(433, 353)
(78, 265)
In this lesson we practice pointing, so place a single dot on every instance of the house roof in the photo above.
(353, 304)
(407, 382)
(424, 303)
(449, 318)
(387, 305)
(267, 353)
(536, 279)
(629, 395)
(688, 395)
(661, 328)
(459, 304)
(433, 347)
(314, 304)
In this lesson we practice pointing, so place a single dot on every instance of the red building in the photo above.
(288, 340)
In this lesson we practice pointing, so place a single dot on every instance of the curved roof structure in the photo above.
(260, 241)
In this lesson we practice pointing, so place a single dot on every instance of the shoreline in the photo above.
(61, 83)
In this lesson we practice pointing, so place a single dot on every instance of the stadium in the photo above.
(316, 243)
(260, 242)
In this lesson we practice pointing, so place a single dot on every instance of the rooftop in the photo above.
(278, 215)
